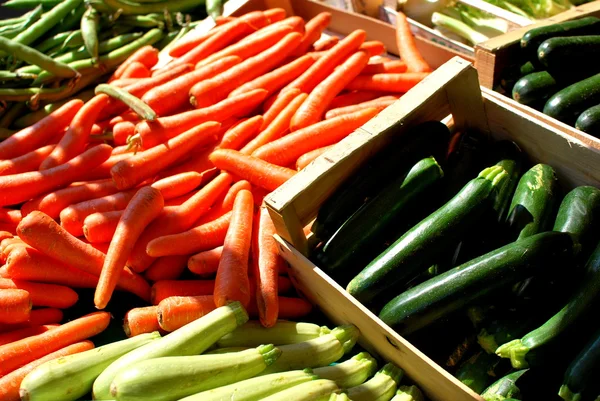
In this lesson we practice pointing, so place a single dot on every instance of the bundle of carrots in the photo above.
(197, 145)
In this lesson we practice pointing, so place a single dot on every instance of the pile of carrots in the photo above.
(196, 146)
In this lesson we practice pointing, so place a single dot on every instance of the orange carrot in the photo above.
(392, 66)
(240, 134)
(176, 312)
(9, 219)
(15, 305)
(407, 46)
(325, 43)
(4, 235)
(103, 171)
(143, 208)
(12, 336)
(178, 184)
(9, 384)
(209, 92)
(256, 171)
(289, 308)
(44, 234)
(205, 262)
(314, 29)
(28, 162)
(166, 268)
(146, 164)
(176, 90)
(278, 127)
(356, 97)
(18, 188)
(373, 48)
(146, 55)
(295, 22)
(122, 131)
(29, 349)
(37, 317)
(164, 128)
(278, 78)
(74, 140)
(308, 157)
(327, 63)
(275, 104)
(220, 20)
(232, 283)
(32, 265)
(6, 252)
(286, 150)
(275, 14)
(379, 104)
(50, 295)
(193, 39)
(229, 197)
(100, 227)
(141, 320)
(395, 83)
(136, 70)
(313, 108)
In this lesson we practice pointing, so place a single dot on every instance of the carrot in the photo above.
(313, 108)
(29, 349)
(395, 83)
(12, 336)
(256, 171)
(392, 66)
(176, 90)
(103, 170)
(278, 127)
(28, 162)
(74, 140)
(18, 188)
(289, 308)
(177, 220)
(308, 157)
(295, 22)
(193, 39)
(286, 150)
(275, 104)
(135, 70)
(275, 14)
(31, 265)
(9, 384)
(178, 184)
(325, 43)
(44, 234)
(180, 200)
(10, 218)
(100, 227)
(153, 133)
(220, 20)
(373, 48)
(37, 317)
(15, 305)
(209, 92)
(278, 78)
(7, 251)
(146, 55)
(143, 208)
(205, 262)
(314, 29)
(355, 97)
(379, 104)
(232, 283)
(141, 320)
(327, 63)
(176, 312)
(4, 235)
(122, 131)
(238, 135)
(166, 268)
(50, 295)
(407, 46)
(146, 164)
(229, 198)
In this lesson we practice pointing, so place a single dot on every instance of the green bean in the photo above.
(13, 21)
(83, 95)
(11, 31)
(116, 42)
(90, 23)
(129, 8)
(12, 113)
(133, 102)
(47, 4)
(169, 38)
(29, 119)
(15, 76)
(73, 19)
(214, 8)
(53, 41)
(116, 30)
(75, 39)
(141, 21)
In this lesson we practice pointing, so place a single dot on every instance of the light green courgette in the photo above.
(350, 373)
(339, 397)
(408, 393)
(316, 390)
(253, 334)
(382, 387)
(227, 350)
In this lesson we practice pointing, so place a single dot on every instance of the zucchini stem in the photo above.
(516, 351)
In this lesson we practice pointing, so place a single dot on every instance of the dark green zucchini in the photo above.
(418, 248)
(507, 155)
(534, 37)
(527, 68)
(561, 54)
(350, 248)
(535, 88)
(475, 372)
(583, 370)
(573, 312)
(505, 328)
(589, 121)
(567, 104)
(426, 139)
(458, 287)
(532, 206)
(504, 388)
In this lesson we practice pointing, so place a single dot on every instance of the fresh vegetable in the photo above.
(381, 387)
(252, 334)
(350, 373)
(475, 371)
(504, 388)
(579, 373)
(554, 52)
(567, 104)
(588, 121)
(315, 390)
(535, 88)
(408, 393)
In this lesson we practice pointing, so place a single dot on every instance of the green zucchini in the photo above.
(317, 352)
(527, 68)
(352, 245)
(505, 328)
(560, 54)
(256, 388)
(174, 377)
(316, 390)
(450, 291)
(475, 372)
(534, 37)
(350, 373)
(426, 139)
(192, 339)
(227, 350)
(339, 397)
(582, 371)
(408, 393)
(567, 104)
(509, 156)
(381, 387)
(253, 334)
(589, 121)
(575, 309)
(532, 206)
(535, 88)
(71, 377)
(417, 249)
(504, 388)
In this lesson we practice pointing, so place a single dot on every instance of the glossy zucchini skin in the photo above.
(582, 371)
(535, 88)
(456, 288)
(474, 372)
(561, 54)
(504, 388)
(589, 121)
(567, 104)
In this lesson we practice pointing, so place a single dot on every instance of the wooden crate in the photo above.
(451, 90)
